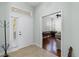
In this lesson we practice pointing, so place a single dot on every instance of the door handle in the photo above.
(20, 33)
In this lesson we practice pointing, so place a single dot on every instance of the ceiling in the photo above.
(33, 4)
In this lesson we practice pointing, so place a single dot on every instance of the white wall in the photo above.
(75, 29)
(47, 8)
(3, 16)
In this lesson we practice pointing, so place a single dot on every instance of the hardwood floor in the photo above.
(50, 44)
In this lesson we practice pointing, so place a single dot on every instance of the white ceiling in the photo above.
(33, 4)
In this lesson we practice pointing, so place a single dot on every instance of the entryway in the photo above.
(51, 33)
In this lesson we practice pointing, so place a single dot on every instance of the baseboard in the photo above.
(14, 49)
(38, 44)
(17, 48)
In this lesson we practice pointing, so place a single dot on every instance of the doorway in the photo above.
(51, 33)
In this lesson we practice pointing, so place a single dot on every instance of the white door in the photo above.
(24, 31)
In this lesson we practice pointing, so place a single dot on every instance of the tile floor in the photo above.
(31, 51)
